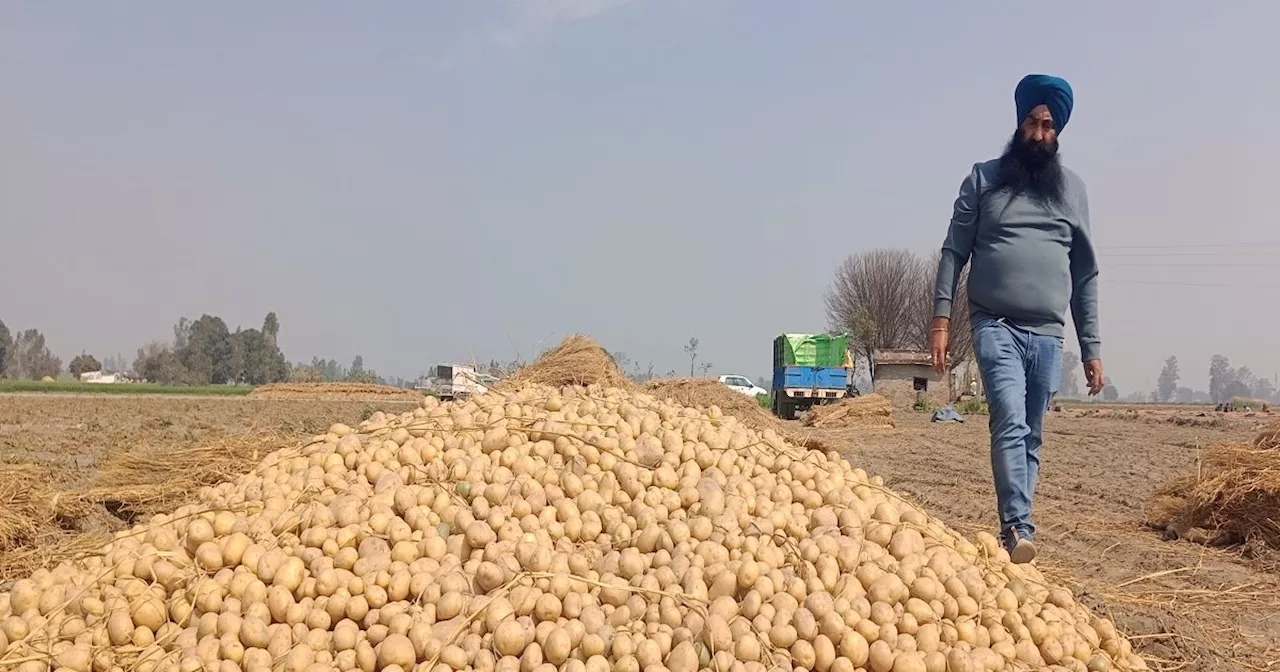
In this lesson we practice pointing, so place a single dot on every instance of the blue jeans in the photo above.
(1020, 371)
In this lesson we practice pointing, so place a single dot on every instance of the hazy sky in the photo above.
(430, 181)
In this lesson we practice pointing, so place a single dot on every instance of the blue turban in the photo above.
(1052, 92)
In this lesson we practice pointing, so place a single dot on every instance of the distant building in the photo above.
(100, 377)
(901, 375)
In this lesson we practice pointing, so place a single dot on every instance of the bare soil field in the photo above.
(1097, 404)
(55, 450)
(74, 433)
(1188, 607)
(1194, 416)
(335, 392)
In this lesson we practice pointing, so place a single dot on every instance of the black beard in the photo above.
(1031, 168)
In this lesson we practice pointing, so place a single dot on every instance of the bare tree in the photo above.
(691, 349)
(1167, 383)
(875, 298)
(960, 345)
(1221, 375)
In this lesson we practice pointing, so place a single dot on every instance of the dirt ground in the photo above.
(73, 433)
(1186, 606)
(67, 440)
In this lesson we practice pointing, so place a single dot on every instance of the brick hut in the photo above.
(900, 375)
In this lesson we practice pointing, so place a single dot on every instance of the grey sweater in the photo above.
(1029, 261)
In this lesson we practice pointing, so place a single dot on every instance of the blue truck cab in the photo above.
(809, 369)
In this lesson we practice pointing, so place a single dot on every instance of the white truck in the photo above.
(457, 381)
(743, 385)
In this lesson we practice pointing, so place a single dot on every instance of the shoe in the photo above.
(1021, 550)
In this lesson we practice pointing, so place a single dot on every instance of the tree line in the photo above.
(1225, 384)
(202, 352)
(206, 352)
(26, 356)
(330, 371)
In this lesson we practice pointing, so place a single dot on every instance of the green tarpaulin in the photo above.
(816, 350)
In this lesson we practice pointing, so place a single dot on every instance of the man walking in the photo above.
(1022, 223)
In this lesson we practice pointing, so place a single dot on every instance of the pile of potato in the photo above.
(583, 530)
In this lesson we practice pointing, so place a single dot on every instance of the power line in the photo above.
(1212, 264)
(1188, 284)
(1161, 254)
(1171, 246)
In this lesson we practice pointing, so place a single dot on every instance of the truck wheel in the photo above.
(787, 411)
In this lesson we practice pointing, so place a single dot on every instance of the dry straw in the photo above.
(39, 524)
(158, 479)
(50, 551)
(577, 361)
(1269, 439)
(871, 411)
(25, 515)
(1234, 498)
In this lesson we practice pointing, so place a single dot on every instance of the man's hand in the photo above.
(939, 340)
(1093, 376)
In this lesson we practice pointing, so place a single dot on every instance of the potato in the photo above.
(510, 638)
(396, 650)
(881, 657)
(537, 529)
(558, 646)
(78, 658)
(120, 629)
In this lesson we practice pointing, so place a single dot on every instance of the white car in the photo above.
(743, 385)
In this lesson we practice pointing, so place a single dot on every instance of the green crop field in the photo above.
(76, 387)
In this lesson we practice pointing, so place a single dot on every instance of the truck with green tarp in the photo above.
(809, 369)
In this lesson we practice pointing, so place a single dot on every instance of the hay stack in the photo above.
(1233, 499)
(335, 392)
(578, 360)
(871, 411)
